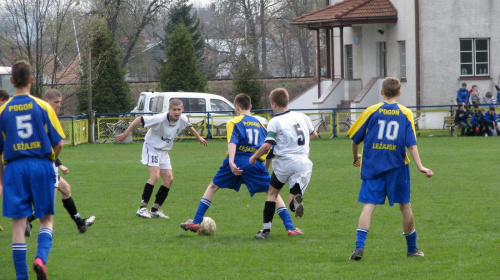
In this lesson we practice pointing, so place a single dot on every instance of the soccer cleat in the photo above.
(40, 270)
(158, 214)
(417, 253)
(189, 225)
(295, 231)
(299, 206)
(27, 231)
(86, 223)
(263, 235)
(143, 213)
(357, 255)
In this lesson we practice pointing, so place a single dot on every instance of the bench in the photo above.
(449, 124)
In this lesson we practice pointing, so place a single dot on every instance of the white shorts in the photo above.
(294, 170)
(155, 157)
(56, 170)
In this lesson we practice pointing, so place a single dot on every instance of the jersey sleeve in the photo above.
(154, 119)
(272, 128)
(54, 128)
(310, 127)
(232, 135)
(357, 131)
(411, 138)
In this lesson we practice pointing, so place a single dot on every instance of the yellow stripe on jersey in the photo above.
(52, 116)
(362, 119)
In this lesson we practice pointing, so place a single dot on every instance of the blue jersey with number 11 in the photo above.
(248, 133)
(386, 129)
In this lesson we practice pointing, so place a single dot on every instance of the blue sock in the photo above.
(19, 258)
(285, 217)
(202, 209)
(44, 244)
(411, 241)
(361, 234)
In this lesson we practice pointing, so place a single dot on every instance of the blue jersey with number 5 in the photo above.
(248, 133)
(30, 128)
(386, 130)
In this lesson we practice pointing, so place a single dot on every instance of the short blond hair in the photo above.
(391, 87)
(280, 97)
(175, 102)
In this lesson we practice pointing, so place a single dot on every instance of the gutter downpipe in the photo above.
(417, 54)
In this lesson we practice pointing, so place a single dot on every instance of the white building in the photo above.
(432, 46)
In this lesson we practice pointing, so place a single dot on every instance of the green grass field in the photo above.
(457, 217)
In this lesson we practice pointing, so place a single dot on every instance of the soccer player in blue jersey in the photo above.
(31, 140)
(387, 130)
(245, 135)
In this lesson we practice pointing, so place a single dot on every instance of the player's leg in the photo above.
(69, 204)
(44, 246)
(409, 231)
(362, 231)
(269, 207)
(298, 181)
(286, 218)
(167, 178)
(205, 202)
(19, 248)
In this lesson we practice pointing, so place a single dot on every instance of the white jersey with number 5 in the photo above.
(290, 131)
(162, 132)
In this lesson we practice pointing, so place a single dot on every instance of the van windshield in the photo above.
(194, 104)
(220, 105)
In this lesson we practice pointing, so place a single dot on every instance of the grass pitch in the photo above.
(457, 217)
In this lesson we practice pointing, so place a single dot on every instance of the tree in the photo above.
(110, 91)
(246, 81)
(180, 71)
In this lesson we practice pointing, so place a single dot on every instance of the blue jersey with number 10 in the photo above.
(248, 133)
(30, 128)
(386, 129)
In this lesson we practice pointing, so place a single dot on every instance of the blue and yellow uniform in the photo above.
(386, 130)
(248, 133)
(30, 128)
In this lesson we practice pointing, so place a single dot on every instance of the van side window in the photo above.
(219, 105)
(158, 104)
(151, 103)
(141, 103)
(194, 104)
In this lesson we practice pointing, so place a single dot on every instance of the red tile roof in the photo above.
(350, 12)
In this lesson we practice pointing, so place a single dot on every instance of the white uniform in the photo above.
(290, 131)
(160, 138)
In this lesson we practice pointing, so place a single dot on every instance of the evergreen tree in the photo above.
(110, 91)
(246, 81)
(180, 72)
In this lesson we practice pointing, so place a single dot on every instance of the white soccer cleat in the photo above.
(143, 213)
(158, 214)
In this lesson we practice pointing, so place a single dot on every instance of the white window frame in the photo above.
(402, 60)
(478, 69)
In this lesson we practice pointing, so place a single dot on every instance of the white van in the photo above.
(5, 80)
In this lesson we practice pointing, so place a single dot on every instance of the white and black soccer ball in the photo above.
(207, 226)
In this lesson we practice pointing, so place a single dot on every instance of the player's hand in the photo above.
(252, 160)
(235, 169)
(121, 137)
(427, 171)
(357, 161)
(203, 142)
(63, 169)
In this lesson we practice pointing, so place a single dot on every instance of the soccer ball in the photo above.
(207, 226)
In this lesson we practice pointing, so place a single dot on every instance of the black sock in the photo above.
(146, 194)
(70, 206)
(161, 195)
(269, 209)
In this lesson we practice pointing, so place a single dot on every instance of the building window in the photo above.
(382, 61)
(402, 60)
(474, 57)
(349, 62)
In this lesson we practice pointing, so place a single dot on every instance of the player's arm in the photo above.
(414, 154)
(356, 157)
(313, 135)
(264, 149)
(195, 134)
(130, 128)
(231, 149)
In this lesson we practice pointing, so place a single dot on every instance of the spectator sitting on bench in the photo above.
(490, 120)
(461, 119)
(478, 123)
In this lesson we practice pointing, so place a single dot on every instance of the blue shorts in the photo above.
(393, 184)
(255, 177)
(28, 182)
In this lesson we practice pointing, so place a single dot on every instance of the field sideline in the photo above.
(457, 215)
